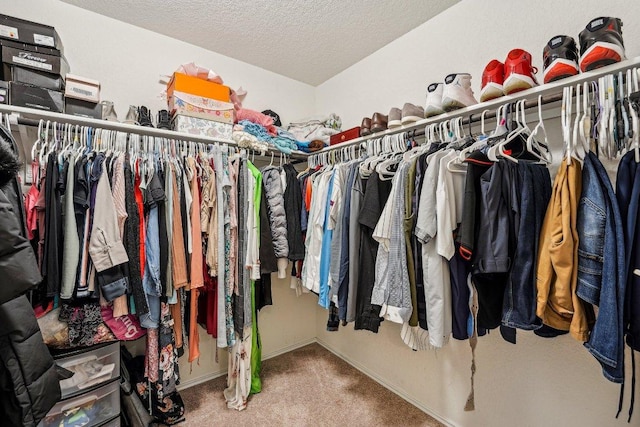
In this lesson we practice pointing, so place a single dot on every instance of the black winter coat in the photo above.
(29, 384)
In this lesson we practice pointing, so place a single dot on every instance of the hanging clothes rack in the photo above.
(31, 117)
(551, 94)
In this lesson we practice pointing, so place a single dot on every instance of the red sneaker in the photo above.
(518, 72)
(492, 81)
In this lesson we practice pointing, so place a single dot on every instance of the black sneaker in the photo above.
(601, 43)
(560, 58)
(164, 121)
(144, 117)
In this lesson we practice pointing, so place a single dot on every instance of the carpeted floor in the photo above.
(309, 386)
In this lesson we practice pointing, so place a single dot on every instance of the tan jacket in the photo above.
(557, 273)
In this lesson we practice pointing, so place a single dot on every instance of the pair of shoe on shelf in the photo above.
(378, 122)
(516, 74)
(453, 94)
(136, 116)
(601, 44)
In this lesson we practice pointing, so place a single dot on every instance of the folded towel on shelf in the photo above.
(331, 121)
(316, 128)
(285, 141)
(257, 117)
(257, 130)
(248, 141)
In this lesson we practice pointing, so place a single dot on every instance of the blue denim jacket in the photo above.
(601, 266)
(151, 282)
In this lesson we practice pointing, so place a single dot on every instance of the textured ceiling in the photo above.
(310, 41)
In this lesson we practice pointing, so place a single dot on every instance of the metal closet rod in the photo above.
(550, 92)
(297, 157)
(476, 118)
(415, 131)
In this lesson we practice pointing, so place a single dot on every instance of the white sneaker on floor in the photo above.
(457, 92)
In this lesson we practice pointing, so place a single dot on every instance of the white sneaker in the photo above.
(457, 92)
(433, 106)
(108, 112)
(132, 115)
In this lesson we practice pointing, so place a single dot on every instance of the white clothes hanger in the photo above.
(36, 145)
(567, 101)
(533, 145)
(578, 149)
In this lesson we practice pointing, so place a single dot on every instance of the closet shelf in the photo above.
(31, 116)
(550, 92)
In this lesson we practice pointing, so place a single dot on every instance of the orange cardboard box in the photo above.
(195, 86)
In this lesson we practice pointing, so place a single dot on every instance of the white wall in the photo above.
(463, 38)
(129, 61)
(537, 382)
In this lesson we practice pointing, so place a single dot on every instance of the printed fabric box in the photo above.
(185, 104)
(202, 127)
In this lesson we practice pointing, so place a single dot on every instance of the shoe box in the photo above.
(35, 65)
(199, 87)
(29, 32)
(78, 107)
(345, 136)
(181, 103)
(24, 95)
(202, 127)
(82, 88)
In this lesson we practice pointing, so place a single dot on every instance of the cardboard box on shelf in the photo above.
(77, 107)
(185, 104)
(37, 58)
(82, 88)
(29, 32)
(345, 136)
(202, 127)
(194, 86)
(14, 73)
(40, 98)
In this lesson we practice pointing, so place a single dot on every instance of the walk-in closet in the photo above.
(370, 213)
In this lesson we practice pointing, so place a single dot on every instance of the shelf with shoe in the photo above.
(32, 116)
(546, 94)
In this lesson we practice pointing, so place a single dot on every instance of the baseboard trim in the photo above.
(386, 385)
(213, 375)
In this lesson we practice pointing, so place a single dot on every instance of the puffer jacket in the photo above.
(277, 215)
(29, 384)
(16, 255)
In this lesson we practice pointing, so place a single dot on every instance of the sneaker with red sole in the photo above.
(601, 43)
(519, 74)
(560, 58)
(492, 81)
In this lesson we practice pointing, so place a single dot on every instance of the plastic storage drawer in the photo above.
(88, 410)
(92, 368)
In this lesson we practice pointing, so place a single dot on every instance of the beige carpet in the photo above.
(309, 386)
